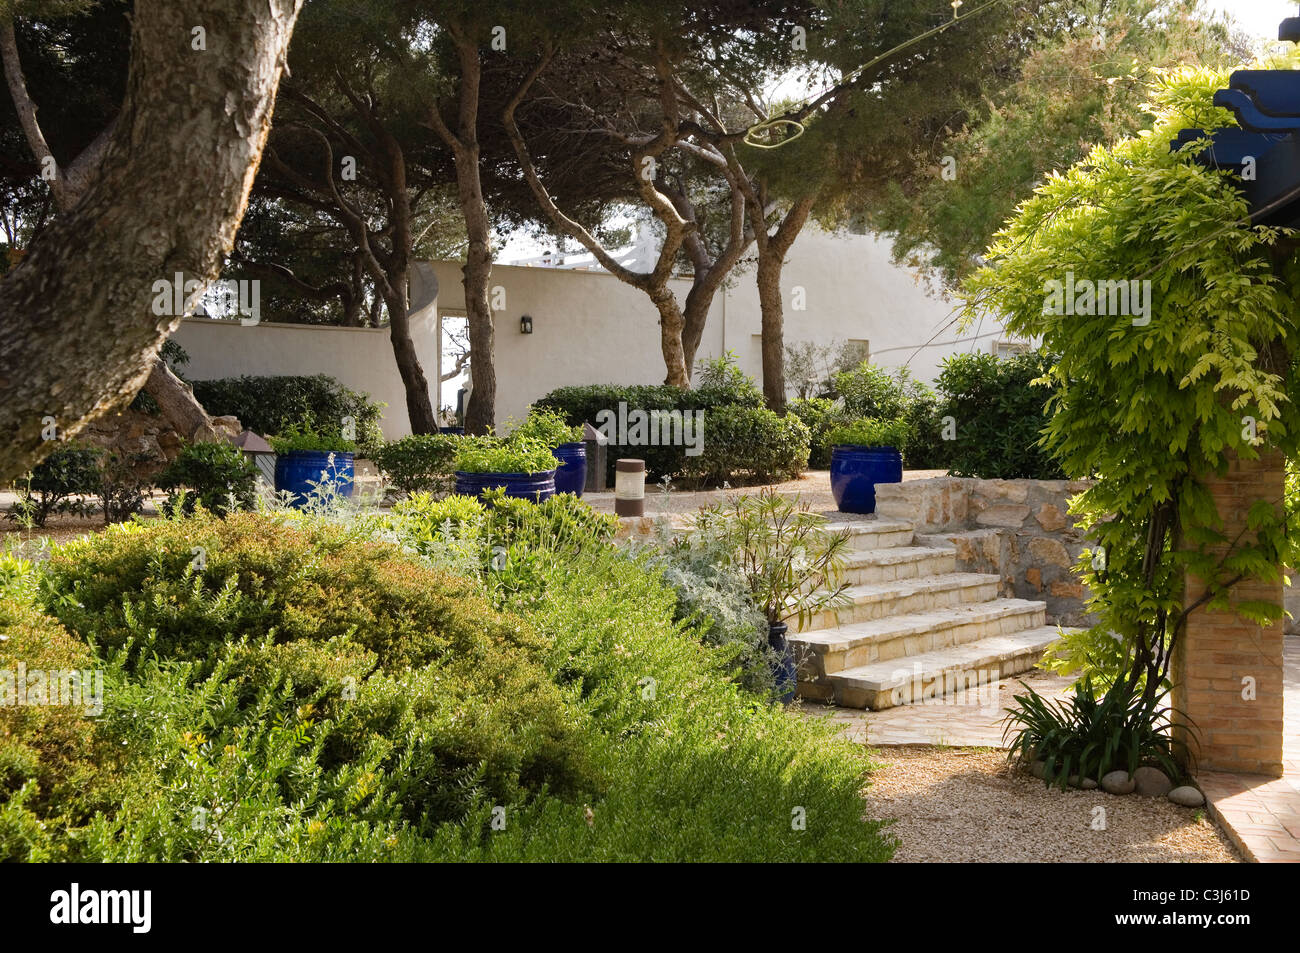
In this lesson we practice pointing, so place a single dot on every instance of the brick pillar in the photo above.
(1220, 650)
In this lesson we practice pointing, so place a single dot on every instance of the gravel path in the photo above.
(969, 805)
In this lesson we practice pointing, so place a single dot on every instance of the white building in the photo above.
(590, 328)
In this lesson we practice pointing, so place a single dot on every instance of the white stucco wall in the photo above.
(591, 328)
(588, 328)
(360, 358)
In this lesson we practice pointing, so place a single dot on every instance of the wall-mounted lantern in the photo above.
(526, 325)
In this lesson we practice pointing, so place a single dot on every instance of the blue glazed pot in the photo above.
(784, 670)
(571, 474)
(855, 471)
(523, 486)
(454, 431)
(304, 472)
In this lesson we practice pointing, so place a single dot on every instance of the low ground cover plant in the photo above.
(869, 432)
(305, 437)
(326, 688)
(495, 455)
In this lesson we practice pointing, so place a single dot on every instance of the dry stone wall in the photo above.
(1019, 529)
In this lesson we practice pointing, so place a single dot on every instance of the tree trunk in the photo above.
(771, 261)
(177, 405)
(670, 337)
(695, 316)
(78, 330)
(176, 402)
(419, 408)
(480, 415)
(773, 330)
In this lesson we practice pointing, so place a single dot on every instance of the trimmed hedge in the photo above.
(271, 405)
(751, 443)
(732, 457)
(419, 463)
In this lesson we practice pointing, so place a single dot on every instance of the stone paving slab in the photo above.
(971, 718)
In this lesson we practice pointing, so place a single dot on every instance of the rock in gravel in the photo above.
(1152, 782)
(1088, 784)
(1117, 782)
(1038, 769)
(1187, 796)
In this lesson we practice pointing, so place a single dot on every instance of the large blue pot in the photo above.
(304, 472)
(454, 431)
(524, 486)
(855, 471)
(571, 474)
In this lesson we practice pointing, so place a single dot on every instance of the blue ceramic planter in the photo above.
(784, 670)
(523, 486)
(855, 471)
(304, 472)
(571, 474)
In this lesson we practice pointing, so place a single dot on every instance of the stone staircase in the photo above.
(914, 628)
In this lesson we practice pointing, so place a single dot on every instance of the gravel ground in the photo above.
(968, 805)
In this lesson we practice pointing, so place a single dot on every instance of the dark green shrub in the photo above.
(301, 694)
(820, 415)
(871, 391)
(58, 484)
(748, 444)
(272, 405)
(216, 475)
(1088, 738)
(998, 415)
(722, 384)
(419, 463)
(124, 480)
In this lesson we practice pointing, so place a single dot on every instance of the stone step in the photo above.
(901, 596)
(882, 685)
(874, 534)
(897, 562)
(827, 651)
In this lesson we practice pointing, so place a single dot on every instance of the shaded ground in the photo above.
(967, 805)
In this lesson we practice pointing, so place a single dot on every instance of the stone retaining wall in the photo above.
(1019, 529)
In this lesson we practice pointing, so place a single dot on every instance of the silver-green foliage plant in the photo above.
(791, 564)
(1154, 402)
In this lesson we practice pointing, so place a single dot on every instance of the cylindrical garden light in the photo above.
(629, 488)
